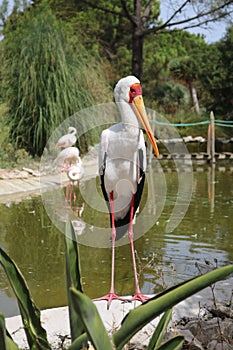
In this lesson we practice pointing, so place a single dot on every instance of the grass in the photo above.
(9, 157)
(48, 76)
(4, 129)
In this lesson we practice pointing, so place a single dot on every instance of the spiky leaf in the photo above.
(6, 342)
(73, 277)
(174, 343)
(91, 320)
(79, 342)
(36, 335)
(158, 334)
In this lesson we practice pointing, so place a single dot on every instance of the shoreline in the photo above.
(16, 185)
(56, 320)
(20, 188)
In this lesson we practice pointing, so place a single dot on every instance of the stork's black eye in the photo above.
(132, 89)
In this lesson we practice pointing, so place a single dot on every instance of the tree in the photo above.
(3, 13)
(225, 46)
(185, 69)
(189, 67)
(143, 18)
(171, 97)
(217, 77)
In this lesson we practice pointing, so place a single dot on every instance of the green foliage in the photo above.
(9, 156)
(3, 340)
(92, 322)
(174, 343)
(157, 336)
(183, 58)
(4, 129)
(174, 59)
(171, 97)
(160, 50)
(47, 78)
(217, 78)
(6, 342)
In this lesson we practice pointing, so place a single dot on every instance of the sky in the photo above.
(211, 35)
(213, 32)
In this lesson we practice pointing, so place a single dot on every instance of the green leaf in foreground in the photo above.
(91, 320)
(72, 254)
(6, 342)
(174, 343)
(78, 343)
(158, 334)
(73, 278)
(3, 345)
(142, 315)
(36, 335)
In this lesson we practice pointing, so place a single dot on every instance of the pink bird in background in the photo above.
(67, 140)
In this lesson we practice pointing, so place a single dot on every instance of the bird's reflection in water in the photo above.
(79, 226)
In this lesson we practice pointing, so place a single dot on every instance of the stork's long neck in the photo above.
(128, 117)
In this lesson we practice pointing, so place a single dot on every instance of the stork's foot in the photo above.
(111, 296)
(140, 297)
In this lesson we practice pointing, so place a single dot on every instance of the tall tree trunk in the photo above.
(137, 45)
(137, 60)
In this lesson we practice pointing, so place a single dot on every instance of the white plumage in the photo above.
(67, 140)
(122, 166)
(76, 172)
(70, 161)
(68, 156)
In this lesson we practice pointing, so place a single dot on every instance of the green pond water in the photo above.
(202, 239)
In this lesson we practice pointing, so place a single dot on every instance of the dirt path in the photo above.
(22, 183)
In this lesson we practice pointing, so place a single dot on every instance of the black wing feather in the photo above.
(123, 224)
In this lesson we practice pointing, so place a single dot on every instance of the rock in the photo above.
(213, 333)
(14, 174)
(213, 345)
(31, 172)
(190, 342)
(222, 311)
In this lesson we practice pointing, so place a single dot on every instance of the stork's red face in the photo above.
(135, 90)
(135, 98)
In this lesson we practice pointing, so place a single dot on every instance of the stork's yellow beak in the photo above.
(140, 111)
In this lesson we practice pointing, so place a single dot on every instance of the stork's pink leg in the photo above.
(74, 195)
(68, 191)
(111, 295)
(138, 295)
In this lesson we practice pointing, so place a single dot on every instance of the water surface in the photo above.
(201, 241)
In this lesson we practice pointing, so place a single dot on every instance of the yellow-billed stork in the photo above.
(122, 166)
